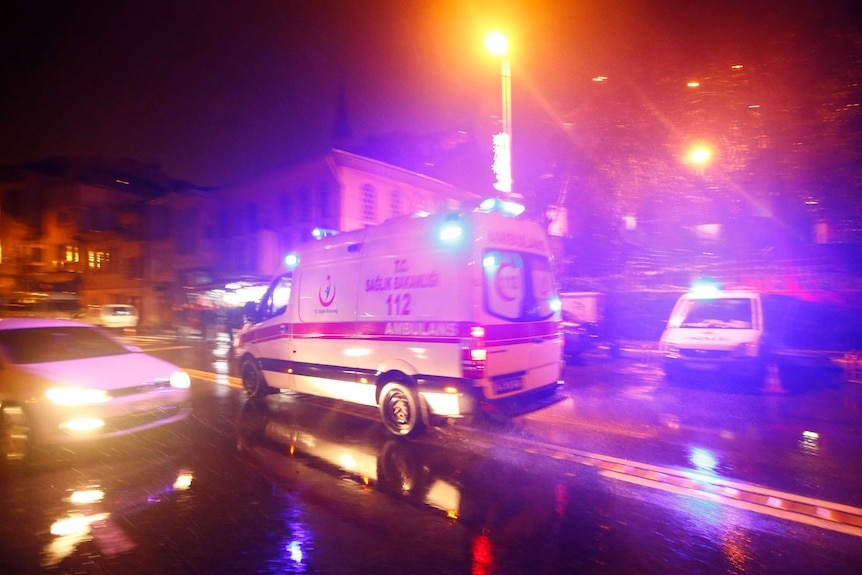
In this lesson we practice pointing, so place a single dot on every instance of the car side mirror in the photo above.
(249, 311)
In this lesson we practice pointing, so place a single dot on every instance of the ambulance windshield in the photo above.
(723, 313)
(518, 286)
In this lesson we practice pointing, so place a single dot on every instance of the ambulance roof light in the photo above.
(320, 233)
(451, 231)
(705, 288)
(508, 208)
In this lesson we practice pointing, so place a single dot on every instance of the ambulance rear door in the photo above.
(521, 310)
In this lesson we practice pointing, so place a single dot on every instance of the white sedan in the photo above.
(64, 381)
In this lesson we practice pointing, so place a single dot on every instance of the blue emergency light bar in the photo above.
(705, 288)
(505, 207)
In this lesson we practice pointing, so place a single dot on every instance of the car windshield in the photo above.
(731, 313)
(47, 344)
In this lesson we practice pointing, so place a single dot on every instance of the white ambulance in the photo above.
(420, 317)
(712, 329)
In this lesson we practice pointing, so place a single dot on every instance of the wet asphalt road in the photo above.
(627, 475)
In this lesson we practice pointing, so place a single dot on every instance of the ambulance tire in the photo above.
(253, 383)
(401, 409)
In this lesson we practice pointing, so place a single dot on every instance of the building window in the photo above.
(422, 206)
(305, 203)
(69, 254)
(285, 210)
(396, 203)
(369, 203)
(324, 200)
(98, 260)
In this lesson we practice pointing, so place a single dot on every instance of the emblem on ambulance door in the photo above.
(508, 282)
(326, 294)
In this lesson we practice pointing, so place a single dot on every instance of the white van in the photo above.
(420, 317)
(112, 316)
(715, 330)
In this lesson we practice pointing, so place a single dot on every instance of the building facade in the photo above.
(261, 221)
(173, 249)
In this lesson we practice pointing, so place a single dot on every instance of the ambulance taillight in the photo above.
(473, 354)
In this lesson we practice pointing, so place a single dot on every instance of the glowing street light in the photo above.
(700, 155)
(498, 45)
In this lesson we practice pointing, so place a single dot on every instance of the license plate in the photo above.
(508, 385)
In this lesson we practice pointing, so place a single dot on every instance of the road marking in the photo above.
(824, 514)
(168, 348)
(816, 512)
(216, 378)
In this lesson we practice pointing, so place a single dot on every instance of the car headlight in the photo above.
(77, 396)
(181, 380)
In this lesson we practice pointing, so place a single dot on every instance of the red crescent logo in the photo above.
(326, 293)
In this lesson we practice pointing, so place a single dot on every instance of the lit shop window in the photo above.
(97, 260)
(72, 254)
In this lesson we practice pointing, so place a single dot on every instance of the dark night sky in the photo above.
(216, 91)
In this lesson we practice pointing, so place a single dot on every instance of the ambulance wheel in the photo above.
(253, 382)
(400, 409)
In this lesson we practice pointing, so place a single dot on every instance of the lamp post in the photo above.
(498, 45)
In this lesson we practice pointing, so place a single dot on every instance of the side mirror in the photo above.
(249, 311)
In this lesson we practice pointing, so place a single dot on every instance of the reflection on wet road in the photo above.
(526, 505)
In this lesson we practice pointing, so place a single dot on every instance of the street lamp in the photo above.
(699, 156)
(498, 45)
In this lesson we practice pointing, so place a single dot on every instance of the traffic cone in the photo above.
(772, 383)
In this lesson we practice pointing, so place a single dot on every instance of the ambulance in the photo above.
(423, 318)
(714, 329)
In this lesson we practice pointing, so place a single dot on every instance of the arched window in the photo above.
(324, 200)
(285, 209)
(369, 203)
(305, 204)
(396, 203)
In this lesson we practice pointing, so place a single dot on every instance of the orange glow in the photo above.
(693, 84)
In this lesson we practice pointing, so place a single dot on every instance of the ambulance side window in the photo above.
(275, 301)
